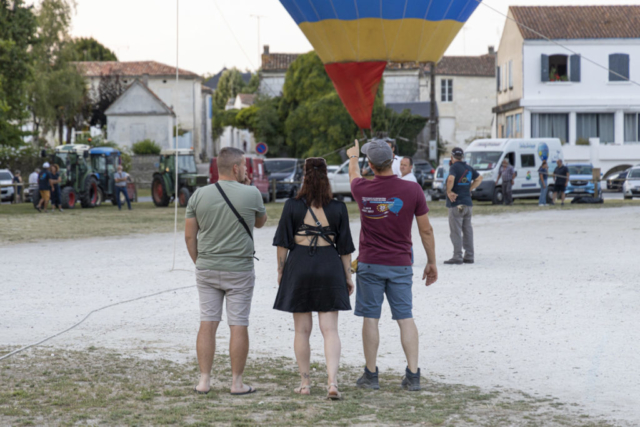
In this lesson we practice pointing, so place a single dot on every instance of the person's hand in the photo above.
(350, 285)
(452, 196)
(354, 151)
(430, 274)
(247, 180)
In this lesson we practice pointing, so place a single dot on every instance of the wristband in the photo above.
(351, 157)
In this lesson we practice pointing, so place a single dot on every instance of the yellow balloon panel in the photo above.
(374, 39)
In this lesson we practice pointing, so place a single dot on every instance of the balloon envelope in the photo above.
(373, 33)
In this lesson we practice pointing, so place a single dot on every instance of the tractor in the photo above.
(79, 181)
(105, 162)
(163, 186)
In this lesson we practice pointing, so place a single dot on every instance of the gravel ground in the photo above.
(550, 307)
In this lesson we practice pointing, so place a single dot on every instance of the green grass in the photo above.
(102, 387)
(22, 223)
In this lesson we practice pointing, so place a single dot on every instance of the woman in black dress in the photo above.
(314, 269)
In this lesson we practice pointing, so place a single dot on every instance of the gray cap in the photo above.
(378, 152)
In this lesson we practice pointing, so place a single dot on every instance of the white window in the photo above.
(632, 127)
(446, 90)
(509, 126)
(518, 131)
(595, 126)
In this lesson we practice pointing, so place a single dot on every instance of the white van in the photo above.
(525, 155)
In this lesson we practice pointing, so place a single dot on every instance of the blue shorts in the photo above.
(373, 281)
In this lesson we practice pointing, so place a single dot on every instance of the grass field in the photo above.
(96, 386)
(22, 223)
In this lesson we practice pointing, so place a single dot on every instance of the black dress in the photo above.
(313, 278)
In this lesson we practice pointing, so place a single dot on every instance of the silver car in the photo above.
(6, 178)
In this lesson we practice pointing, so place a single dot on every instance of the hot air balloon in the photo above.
(355, 39)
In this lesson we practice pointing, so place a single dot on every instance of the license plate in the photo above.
(579, 190)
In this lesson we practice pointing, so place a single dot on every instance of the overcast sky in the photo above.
(138, 30)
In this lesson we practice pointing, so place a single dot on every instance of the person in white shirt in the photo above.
(406, 165)
(33, 178)
(395, 166)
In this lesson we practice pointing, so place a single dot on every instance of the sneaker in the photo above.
(411, 381)
(453, 261)
(562, 204)
(60, 209)
(467, 261)
(369, 380)
(551, 203)
(540, 204)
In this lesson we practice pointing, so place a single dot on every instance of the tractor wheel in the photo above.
(100, 197)
(159, 193)
(183, 197)
(90, 194)
(35, 197)
(69, 198)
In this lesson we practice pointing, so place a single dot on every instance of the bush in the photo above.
(146, 146)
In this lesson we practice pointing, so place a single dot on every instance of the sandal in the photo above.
(335, 395)
(298, 390)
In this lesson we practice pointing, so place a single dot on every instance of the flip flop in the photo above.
(201, 392)
(251, 390)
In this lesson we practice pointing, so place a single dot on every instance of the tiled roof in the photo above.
(578, 22)
(481, 66)
(130, 69)
(278, 61)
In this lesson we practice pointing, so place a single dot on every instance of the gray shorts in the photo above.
(374, 281)
(236, 286)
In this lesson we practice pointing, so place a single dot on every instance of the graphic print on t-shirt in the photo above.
(379, 207)
(465, 179)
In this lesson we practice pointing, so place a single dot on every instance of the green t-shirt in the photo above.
(223, 243)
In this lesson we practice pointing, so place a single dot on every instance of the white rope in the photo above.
(87, 316)
(559, 44)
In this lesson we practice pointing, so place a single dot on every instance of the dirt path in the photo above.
(549, 308)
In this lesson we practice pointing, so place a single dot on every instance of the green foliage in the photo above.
(229, 86)
(17, 36)
(89, 49)
(25, 159)
(582, 141)
(146, 146)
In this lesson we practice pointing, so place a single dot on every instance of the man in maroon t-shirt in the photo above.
(387, 207)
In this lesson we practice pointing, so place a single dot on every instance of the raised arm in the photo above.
(429, 243)
(354, 168)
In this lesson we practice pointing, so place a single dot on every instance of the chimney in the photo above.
(266, 50)
(492, 50)
(145, 79)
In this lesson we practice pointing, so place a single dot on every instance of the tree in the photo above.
(109, 89)
(229, 86)
(17, 35)
(89, 49)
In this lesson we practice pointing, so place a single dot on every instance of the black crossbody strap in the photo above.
(235, 212)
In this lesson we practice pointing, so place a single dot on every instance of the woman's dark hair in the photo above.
(315, 188)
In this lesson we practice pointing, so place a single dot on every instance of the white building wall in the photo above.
(127, 130)
(271, 84)
(401, 86)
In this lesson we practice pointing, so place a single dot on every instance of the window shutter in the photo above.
(618, 66)
(544, 68)
(575, 68)
(498, 79)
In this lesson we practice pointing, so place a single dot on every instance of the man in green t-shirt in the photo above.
(222, 251)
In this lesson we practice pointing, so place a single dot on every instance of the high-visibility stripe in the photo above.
(348, 10)
(380, 40)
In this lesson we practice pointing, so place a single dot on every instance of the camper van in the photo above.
(525, 155)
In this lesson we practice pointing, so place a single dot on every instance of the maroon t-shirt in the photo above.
(387, 207)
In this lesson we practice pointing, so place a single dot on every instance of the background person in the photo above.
(121, 178)
(395, 166)
(44, 187)
(561, 175)
(387, 207)
(406, 166)
(543, 174)
(55, 188)
(222, 250)
(462, 180)
(314, 269)
(508, 174)
(17, 179)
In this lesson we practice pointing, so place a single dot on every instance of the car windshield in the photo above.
(5, 176)
(482, 160)
(580, 170)
(280, 166)
(187, 164)
(635, 173)
(440, 173)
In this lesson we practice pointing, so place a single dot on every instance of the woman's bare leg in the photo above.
(303, 324)
(332, 347)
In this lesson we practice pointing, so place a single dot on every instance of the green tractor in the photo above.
(163, 186)
(79, 181)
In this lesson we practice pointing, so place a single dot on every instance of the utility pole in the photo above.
(433, 126)
(259, 54)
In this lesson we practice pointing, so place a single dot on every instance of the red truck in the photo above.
(255, 170)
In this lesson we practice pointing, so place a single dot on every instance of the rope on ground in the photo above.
(6, 356)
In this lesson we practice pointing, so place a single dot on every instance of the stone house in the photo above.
(190, 102)
(547, 90)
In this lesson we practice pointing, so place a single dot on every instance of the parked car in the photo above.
(287, 173)
(339, 180)
(581, 180)
(437, 192)
(6, 178)
(631, 186)
(255, 170)
(423, 171)
(616, 181)
(332, 168)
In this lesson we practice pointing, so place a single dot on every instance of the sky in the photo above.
(141, 30)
